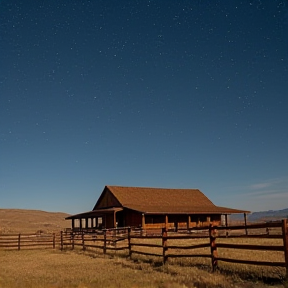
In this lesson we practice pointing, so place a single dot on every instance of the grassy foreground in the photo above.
(55, 269)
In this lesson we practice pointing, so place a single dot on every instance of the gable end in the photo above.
(106, 200)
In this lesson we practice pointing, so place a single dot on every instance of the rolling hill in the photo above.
(262, 216)
(31, 221)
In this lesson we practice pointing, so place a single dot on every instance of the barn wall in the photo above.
(154, 219)
(107, 200)
(109, 221)
(158, 221)
(132, 218)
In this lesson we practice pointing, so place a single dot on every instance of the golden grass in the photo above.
(55, 269)
(237, 272)
(243, 271)
(31, 221)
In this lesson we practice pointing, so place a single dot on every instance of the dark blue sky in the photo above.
(177, 94)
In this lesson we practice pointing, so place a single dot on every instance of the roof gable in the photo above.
(106, 200)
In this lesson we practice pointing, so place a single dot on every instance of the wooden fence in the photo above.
(205, 242)
(28, 241)
(212, 237)
(282, 248)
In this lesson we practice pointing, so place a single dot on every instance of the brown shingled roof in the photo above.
(163, 200)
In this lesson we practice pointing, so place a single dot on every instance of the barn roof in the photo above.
(163, 200)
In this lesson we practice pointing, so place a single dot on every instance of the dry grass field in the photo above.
(54, 268)
(31, 221)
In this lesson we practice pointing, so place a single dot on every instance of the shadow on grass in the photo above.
(277, 279)
(238, 273)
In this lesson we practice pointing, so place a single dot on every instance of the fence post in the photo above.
(19, 237)
(129, 242)
(213, 247)
(72, 236)
(54, 240)
(164, 244)
(61, 240)
(114, 241)
(245, 221)
(285, 242)
(83, 241)
(226, 225)
(105, 241)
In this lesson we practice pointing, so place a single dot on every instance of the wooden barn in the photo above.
(151, 208)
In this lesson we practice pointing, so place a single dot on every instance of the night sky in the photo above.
(172, 94)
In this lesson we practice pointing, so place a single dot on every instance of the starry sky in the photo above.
(149, 93)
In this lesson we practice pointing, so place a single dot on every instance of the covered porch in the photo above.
(95, 219)
(120, 217)
(185, 220)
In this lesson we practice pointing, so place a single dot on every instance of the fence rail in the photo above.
(24, 241)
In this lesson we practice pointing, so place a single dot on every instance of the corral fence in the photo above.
(212, 243)
(29, 241)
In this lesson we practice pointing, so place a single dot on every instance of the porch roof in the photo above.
(95, 213)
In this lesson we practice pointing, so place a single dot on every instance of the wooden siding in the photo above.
(180, 221)
(132, 218)
(154, 219)
(107, 199)
(109, 221)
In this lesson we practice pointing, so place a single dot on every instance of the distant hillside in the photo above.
(31, 221)
(268, 215)
(262, 216)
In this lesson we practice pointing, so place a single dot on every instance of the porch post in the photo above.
(143, 221)
(96, 222)
(226, 220)
(226, 224)
(86, 223)
(188, 222)
(114, 219)
(166, 221)
(80, 223)
(73, 223)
